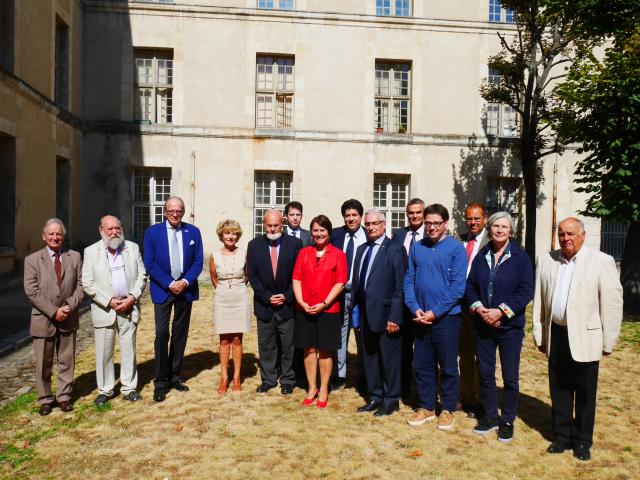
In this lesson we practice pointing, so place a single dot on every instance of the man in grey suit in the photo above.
(113, 276)
(53, 284)
(293, 216)
(474, 240)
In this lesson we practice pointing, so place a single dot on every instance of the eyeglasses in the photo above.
(373, 224)
(433, 224)
(174, 212)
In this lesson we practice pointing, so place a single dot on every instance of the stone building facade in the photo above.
(40, 134)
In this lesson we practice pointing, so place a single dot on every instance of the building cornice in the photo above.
(295, 16)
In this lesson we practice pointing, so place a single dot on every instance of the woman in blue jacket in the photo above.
(499, 288)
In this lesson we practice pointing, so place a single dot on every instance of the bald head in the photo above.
(571, 235)
(272, 223)
(111, 232)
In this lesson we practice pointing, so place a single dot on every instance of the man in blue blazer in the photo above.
(379, 269)
(347, 238)
(270, 261)
(173, 258)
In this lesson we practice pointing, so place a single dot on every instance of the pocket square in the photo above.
(192, 242)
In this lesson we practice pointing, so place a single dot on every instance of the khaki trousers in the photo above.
(44, 348)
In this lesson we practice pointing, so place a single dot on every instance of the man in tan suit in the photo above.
(577, 313)
(114, 277)
(53, 284)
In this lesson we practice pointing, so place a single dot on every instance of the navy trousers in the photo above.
(509, 344)
(436, 345)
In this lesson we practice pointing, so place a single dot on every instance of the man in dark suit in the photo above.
(407, 236)
(347, 238)
(379, 270)
(293, 215)
(53, 284)
(173, 258)
(270, 261)
(474, 240)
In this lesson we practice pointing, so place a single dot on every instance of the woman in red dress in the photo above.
(319, 277)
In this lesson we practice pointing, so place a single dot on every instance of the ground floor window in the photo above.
(271, 190)
(390, 195)
(150, 187)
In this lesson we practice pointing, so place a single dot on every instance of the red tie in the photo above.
(274, 259)
(470, 244)
(57, 266)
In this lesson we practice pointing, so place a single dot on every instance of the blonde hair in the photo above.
(230, 226)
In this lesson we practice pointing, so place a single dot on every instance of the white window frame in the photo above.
(506, 194)
(498, 14)
(157, 183)
(279, 192)
(156, 86)
(501, 120)
(394, 8)
(276, 4)
(275, 91)
(391, 195)
(392, 97)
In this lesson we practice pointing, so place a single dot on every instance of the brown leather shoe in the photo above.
(65, 406)
(45, 409)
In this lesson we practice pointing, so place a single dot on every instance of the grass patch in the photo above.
(16, 456)
(105, 407)
(23, 403)
(630, 333)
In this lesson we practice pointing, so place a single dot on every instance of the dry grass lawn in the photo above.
(240, 436)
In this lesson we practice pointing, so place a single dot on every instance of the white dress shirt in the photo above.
(419, 236)
(118, 277)
(359, 238)
(561, 290)
(178, 239)
(292, 232)
(476, 247)
(374, 252)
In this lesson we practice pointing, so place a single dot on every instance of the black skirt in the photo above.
(321, 331)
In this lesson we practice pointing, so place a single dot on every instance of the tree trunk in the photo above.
(529, 177)
(630, 275)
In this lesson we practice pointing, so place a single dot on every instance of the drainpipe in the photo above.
(555, 202)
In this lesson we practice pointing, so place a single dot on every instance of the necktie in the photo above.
(362, 280)
(274, 259)
(57, 266)
(174, 255)
(470, 244)
(349, 253)
(413, 239)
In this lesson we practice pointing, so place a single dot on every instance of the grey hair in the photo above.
(380, 213)
(54, 221)
(173, 197)
(574, 219)
(497, 216)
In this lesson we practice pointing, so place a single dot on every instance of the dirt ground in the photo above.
(201, 434)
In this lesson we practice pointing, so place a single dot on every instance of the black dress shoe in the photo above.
(179, 386)
(581, 452)
(101, 399)
(286, 389)
(370, 407)
(45, 409)
(65, 406)
(264, 388)
(557, 447)
(386, 409)
(159, 394)
(132, 396)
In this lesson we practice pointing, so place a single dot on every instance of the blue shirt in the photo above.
(437, 277)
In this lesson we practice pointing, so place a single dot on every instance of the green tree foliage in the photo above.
(601, 113)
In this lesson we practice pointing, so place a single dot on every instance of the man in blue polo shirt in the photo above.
(433, 288)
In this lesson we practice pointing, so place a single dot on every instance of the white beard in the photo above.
(113, 243)
(274, 236)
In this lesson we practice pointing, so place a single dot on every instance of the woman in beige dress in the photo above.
(227, 267)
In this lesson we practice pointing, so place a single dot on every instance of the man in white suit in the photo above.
(577, 313)
(114, 277)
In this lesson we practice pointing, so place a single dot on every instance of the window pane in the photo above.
(142, 179)
(140, 221)
(144, 71)
(165, 106)
(403, 8)
(165, 72)
(381, 114)
(493, 114)
(383, 7)
(264, 107)
(265, 3)
(379, 193)
(286, 5)
(142, 104)
(401, 81)
(264, 69)
(494, 76)
(162, 188)
(509, 16)
(509, 122)
(285, 74)
(285, 111)
(494, 10)
(382, 80)
(397, 220)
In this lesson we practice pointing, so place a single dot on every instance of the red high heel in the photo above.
(321, 404)
(309, 401)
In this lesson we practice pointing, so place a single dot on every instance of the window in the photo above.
(392, 97)
(150, 188)
(274, 92)
(6, 35)
(613, 236)
(271, 190)
(276, 4)
(499, 14)
(390, 195)
(397, 8)
(501, 119)
(7, 191)
(63, 190)
(153, 91)
(61, 92)
(505, 194)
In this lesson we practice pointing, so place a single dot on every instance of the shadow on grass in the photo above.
(192, 366)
